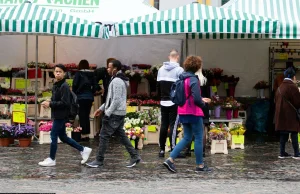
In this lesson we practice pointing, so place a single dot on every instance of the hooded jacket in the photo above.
(116, 96)
(84, 85)
(167, 75)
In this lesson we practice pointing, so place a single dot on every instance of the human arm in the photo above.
(115, 99)
(196, 93)
(64, 101)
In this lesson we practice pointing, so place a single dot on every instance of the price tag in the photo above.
(19, 117)
(226, 85)
(69, 82)
(152, 128)
(19, 107)
(283, 56)
(20, 83)
(47, 94)
(214, 89)
(238, 139)
(131, 109)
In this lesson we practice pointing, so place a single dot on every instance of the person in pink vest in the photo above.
(191, 116)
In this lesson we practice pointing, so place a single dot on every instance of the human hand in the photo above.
(98, 112)
(46, 104)
(206, 100)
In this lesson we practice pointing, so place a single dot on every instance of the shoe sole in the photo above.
(296, 158)
(134, 164)
(84, 161)
(285, 157)
(47, 165)
(169, 168)
(92, 166)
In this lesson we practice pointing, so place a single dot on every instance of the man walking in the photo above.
(114, 113)
(167, 75)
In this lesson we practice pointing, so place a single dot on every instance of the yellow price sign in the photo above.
(69, 82)
(131, 109)
(19, 107)
(47, 94)
(20, 83)
(238, 139)
(19, 117)
(283, 56)
(298, 137)
(146, 70)
(152, 128)
(214, 89)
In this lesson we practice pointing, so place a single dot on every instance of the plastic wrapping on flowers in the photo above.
(237, 130)
(134, 128)
(218, 132)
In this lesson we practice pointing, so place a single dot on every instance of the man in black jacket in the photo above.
(60, 110)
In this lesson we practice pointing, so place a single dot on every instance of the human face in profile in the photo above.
(59, 73)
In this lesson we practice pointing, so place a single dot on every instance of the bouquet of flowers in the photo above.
(135, 133)
(134, 102)
(150, 103)
(261, 85)
(6, 131)
(133, 115)
(217, 72)
(5, 99)
(31, 100)
(45, 126)
(131, 122)
(20, 100)
(227, 106)
(218, 132)
(237, 130)
(77, 129)
(23, 131)
(216, 101)
(40, 100)
(134, 75)
(236, 105)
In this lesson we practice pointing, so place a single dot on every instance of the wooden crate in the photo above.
(5, 122)
(219, 147)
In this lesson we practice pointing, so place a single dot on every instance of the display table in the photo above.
(230, 122)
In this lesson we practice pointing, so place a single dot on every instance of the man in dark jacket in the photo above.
(60, 110)
(287, 100)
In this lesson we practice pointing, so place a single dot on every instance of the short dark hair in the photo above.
(192, 63)
(289, 72)
(83, 64)
(61, 66)
(109, 60)
(116, 64)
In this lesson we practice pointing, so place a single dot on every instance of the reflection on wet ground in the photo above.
(256, 161)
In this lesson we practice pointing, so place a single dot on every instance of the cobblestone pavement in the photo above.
(253, 170)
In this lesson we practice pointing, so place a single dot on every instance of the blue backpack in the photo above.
(177, 94)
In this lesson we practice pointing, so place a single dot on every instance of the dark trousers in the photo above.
(284, 136)
(59, 130)
(168, 119)
(114, 125)
(84, 115)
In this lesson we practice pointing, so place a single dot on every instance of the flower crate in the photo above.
(237, 141)
(45, 137)
(45, 112)
(219, 147)
(31, 110)
(5, 122)
(151, 134)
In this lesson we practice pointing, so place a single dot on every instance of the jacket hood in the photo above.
(123, 77)
(187, 74)
(170, 65)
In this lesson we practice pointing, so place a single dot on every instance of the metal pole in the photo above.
(54, 45)
(36, 79)
(26, 75)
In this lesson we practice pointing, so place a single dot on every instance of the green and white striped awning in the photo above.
(29, 18)
(286, 11)
(206, 21)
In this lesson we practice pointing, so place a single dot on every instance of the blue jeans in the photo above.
(59, 130)
(191, 129)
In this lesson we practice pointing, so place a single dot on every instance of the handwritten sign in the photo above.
(238, 139)
(214, 89)
(20, 83)
(152, 128)
(226, 85)
(47, 94)
(69, 82)
(19, 117)
(19, 107)
(131, 109)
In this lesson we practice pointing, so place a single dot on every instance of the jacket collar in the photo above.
(59, 83)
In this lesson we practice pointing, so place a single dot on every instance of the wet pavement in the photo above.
(256, 164)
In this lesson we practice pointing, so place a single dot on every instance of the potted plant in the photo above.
(237, 136)
(24, 133)
(236, 107)
(227, 106)
(260, 87)
(218, 136)
(45, 128)
(216, 103)
(6, 135)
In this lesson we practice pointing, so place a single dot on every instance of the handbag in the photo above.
(297, 110)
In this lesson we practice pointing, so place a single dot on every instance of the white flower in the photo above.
(133, 137)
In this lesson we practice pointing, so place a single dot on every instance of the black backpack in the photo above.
(74, 109)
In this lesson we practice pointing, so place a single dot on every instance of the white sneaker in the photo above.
(85, 154)
(48, 162)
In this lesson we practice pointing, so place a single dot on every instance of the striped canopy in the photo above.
(286, 11)
(29, 18)
(206, 21)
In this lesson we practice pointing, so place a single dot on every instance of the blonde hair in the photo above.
(201, 77)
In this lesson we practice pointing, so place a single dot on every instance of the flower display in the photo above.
(5, 99)
(135, 133)
(237, 130)
(150, 103)
(134, 102)
(261, 85)
(45, 126)
(5, 115)
(134, 75)
(77, 129)
(151, 116)
(6, 131)
(23, 131)
(218, 132)
(14, 92)
(231, 80)
(32, 64)
(216, 101)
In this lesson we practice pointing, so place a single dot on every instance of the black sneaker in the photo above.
(95, 164)
(204, 169)
(170, 166)
(133, 162)
(161, 154)
(297, 157)
(284, 156)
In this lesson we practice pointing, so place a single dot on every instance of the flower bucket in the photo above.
(229, 114)
(31, 73)
(24, 142)
(262, 93)
(133, 87)
(217, 111)
(231, 91)
(140, 144)
(235, 113)
(4, 142)
(76, 136)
